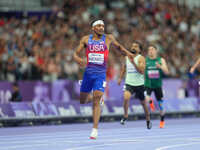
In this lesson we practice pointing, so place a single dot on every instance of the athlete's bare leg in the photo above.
(97, 97)
(127, 96)
(96, 107)
(162, 112)
(147, 114)
(85, 98)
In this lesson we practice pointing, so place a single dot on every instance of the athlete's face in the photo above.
(152, 52)
(98, 29)
(135, 48)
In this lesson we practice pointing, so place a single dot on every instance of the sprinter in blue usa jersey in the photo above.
(96, 48)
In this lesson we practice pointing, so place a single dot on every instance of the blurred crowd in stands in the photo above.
(41, 48)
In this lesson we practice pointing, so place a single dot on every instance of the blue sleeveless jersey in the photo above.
(97, 55)
(94, 77)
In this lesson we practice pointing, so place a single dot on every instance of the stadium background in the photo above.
(38, 38)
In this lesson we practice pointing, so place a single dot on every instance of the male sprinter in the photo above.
(97, 48)
(155, 66)
(134, 82)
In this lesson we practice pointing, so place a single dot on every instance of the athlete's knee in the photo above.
(96, 100)
(126, 99)
(144, 104)
(147, 97)
(82, 101)
(160, 104)
(127, 96)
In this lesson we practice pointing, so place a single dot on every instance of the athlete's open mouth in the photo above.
(133, 51)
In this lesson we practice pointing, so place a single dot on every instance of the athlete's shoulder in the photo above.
(84, 39)
(109, 36)
(111, 39)
(141, 58)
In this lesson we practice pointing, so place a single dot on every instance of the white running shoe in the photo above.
(94, 133)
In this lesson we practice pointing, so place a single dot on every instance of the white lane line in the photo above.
(102, 145)
(69, 134)
(174, 146)
(194, 139)
(23, 146)
(57, 144)
(128, 129)
(61, 141)
(82, 137)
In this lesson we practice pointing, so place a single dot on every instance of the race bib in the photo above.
(153, 74)
(96, 58)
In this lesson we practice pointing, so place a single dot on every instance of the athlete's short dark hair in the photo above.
(91, 23)
(140, 45)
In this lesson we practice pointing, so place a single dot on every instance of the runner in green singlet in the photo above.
(155, 67)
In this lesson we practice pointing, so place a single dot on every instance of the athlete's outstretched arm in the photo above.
(163, 66)
(77, 52)
(122, 71)
(119, 46)
(195, 66)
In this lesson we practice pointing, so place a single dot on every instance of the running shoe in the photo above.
(94, 133)
(123, 120)
(149, 125)
(162, 124)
